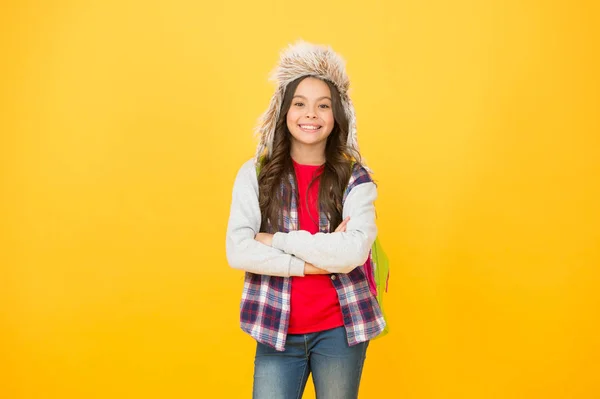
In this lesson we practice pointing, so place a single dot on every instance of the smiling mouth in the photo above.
(309, 128)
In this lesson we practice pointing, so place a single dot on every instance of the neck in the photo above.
(308, 154)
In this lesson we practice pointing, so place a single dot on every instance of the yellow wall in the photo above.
(122, 126)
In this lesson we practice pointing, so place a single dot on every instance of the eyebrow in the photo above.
(320, 98)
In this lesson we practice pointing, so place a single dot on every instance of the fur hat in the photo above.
(305, 59)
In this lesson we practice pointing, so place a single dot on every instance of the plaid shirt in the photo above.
(265, 306)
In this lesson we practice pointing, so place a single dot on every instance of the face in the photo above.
(310, 117)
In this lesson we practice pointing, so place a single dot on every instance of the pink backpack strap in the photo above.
(368, 266)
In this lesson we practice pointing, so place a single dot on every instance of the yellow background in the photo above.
(123, 124)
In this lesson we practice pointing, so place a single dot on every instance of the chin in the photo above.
(308, 140)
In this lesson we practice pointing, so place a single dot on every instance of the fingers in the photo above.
(309, 268)
(342, 227)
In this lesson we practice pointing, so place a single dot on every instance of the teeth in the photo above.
(309, 127)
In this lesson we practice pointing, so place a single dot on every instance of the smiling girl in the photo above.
(301, 226)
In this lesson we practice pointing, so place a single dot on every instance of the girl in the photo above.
(301, 226)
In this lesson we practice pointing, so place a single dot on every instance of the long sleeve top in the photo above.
(265, 303)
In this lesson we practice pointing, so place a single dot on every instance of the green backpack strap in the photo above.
(259, 165)
(381, 269)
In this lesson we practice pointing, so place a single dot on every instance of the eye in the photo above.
(298, 104)
(324, 106)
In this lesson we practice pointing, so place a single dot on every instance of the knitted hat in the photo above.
(305, 59)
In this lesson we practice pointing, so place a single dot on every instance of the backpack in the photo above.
(377, 269)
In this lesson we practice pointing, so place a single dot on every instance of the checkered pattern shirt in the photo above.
(265, 305)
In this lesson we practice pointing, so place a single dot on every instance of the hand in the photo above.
(265, 238)
(309, 268)
(342, 227)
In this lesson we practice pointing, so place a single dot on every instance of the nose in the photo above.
(311, 114)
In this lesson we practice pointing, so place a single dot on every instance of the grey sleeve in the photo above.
(338, 252)
(243, 251)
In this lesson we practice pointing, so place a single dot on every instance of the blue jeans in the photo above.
(335, 366)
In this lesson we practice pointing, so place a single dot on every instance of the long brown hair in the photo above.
(276, 168)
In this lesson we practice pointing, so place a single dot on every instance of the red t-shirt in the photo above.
(314, 302)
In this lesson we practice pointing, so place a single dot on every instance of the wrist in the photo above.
(269, 239)
(308, 268)
(264, 238)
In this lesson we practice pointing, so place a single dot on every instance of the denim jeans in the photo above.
(336, 367)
